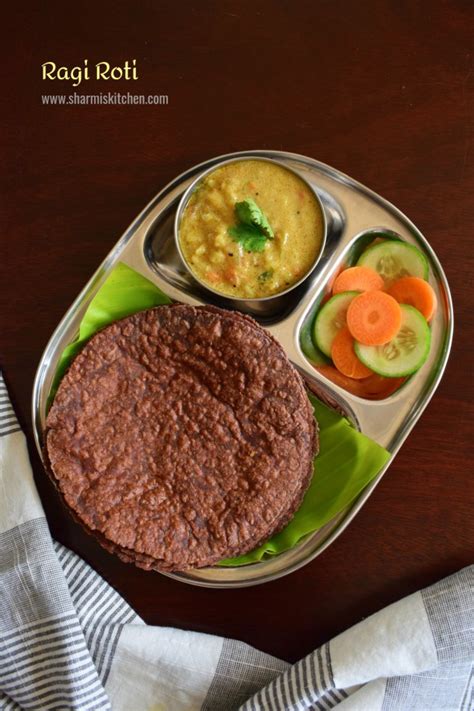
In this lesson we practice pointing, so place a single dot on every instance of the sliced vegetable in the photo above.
(330, 320)
(394, 259)
(374, 318)
(415, 292)
(344, 357)
(373, 388)
(308, 347)
(361, 244)
(405, 353)
(357, 279)
(332, 281)
(374, 328)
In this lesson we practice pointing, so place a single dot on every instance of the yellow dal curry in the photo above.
(224, 264)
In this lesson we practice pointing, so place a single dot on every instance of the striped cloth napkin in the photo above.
(69, 641)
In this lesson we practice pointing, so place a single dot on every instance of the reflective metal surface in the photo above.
(352, 211)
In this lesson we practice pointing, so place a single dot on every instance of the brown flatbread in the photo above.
(181, 436)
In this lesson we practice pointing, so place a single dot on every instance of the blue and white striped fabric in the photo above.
(68, 641)
(415, 655)
(8, 422)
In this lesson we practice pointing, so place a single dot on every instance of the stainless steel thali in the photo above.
(352, 212)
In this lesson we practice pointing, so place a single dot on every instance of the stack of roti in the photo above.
(181, 436)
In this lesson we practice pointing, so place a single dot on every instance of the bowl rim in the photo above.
(183, 204)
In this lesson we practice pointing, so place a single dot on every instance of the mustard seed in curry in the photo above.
(214, 248)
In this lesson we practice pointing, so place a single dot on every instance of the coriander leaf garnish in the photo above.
(253, 228)
(249, 236)
(249, 213)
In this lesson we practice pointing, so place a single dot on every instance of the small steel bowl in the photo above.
(266, 305)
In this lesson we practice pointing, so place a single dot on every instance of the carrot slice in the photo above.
(374, 318)
(373, 388)
(415, 292)
(377, 387)
(356, 387)
(344, 357)
(357, 279)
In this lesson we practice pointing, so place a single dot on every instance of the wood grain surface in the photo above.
(380, 90)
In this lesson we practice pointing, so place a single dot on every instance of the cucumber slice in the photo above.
(331, 319)
(394, 259)
(405, 353)
(308, 347)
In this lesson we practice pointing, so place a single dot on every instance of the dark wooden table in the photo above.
(380, 90)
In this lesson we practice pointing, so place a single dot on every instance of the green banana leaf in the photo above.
(347, 460)
(346, 463)
(123, 293)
